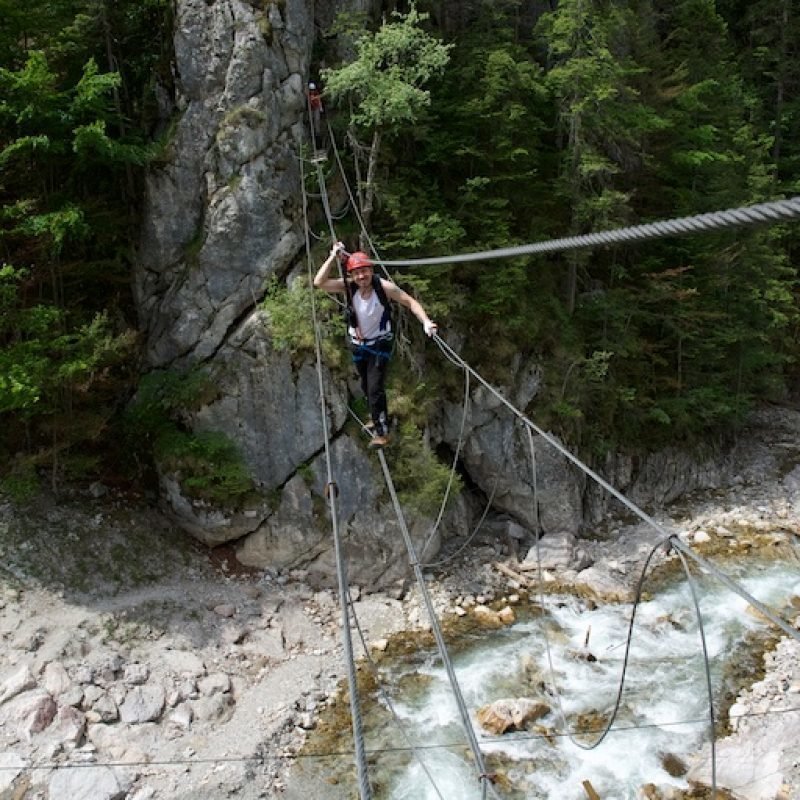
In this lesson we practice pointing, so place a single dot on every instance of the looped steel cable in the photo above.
(707, 667)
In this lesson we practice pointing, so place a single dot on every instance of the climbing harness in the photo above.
(351, 316)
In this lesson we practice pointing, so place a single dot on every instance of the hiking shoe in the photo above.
(378, 441)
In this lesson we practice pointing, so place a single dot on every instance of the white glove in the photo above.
(337, 248)
(429, 327)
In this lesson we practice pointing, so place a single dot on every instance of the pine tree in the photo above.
(601, 116)
(386, 82)
(68, 157)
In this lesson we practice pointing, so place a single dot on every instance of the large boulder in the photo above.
(496, 452)
(511, 714)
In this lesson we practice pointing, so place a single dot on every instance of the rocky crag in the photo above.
(223, 215)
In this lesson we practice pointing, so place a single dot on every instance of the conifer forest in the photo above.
(525, 121)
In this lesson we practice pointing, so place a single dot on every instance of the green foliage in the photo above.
(45, 354)
(290, 312)
(207, 464)
(162, 397)
(605, 115)
(391, 67)
(420, 478)
(20, 481)
(611, 115)
(72, 148)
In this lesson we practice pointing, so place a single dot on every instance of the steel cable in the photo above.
(341, 574)
(628, 640)
(707, 668)
(775, 211)
(483, 775)
(388, 700)
(629, 504)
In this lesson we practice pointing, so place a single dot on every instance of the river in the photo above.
(663, 717)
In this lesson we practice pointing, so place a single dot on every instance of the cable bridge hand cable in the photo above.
(669, 538)
(346, 625)
(772, 212)
(345, 591)
(776, 211)
(478, 756)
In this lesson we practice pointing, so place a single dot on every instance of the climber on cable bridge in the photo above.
(370, 327)
(316, 110)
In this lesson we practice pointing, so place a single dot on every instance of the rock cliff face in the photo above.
(224, 214)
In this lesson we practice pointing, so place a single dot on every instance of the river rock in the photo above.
(16, 683)
(142, 704)
(183, 663)
(104, 709)
(511, 714)
(216, 683)
(136, 674)
(759, 758)
(487, 617)
(182, 716)
(70, 724)
(31, 711)
(89, 783)
(555, 552)
(602, 587)
(55, 678)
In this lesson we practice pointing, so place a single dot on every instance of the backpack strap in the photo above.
(386, 318)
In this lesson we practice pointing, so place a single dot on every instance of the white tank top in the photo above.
(368, 313)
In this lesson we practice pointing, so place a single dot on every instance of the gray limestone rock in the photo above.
(497, 454)
(89, 783)
(217, 707)
(31, 711)
(105, 709)
(555, 552)
(216, 683)
(142, 704)
(11, 766)
(220, 212)
(183, 663)
(136, 674)
(182, 716)
(19, 681)
(70, 725)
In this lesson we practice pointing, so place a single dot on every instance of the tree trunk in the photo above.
(780, 78)
(369, 187)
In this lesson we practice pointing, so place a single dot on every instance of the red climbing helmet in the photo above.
(358, 260)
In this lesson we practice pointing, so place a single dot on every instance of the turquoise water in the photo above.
(664, 709)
